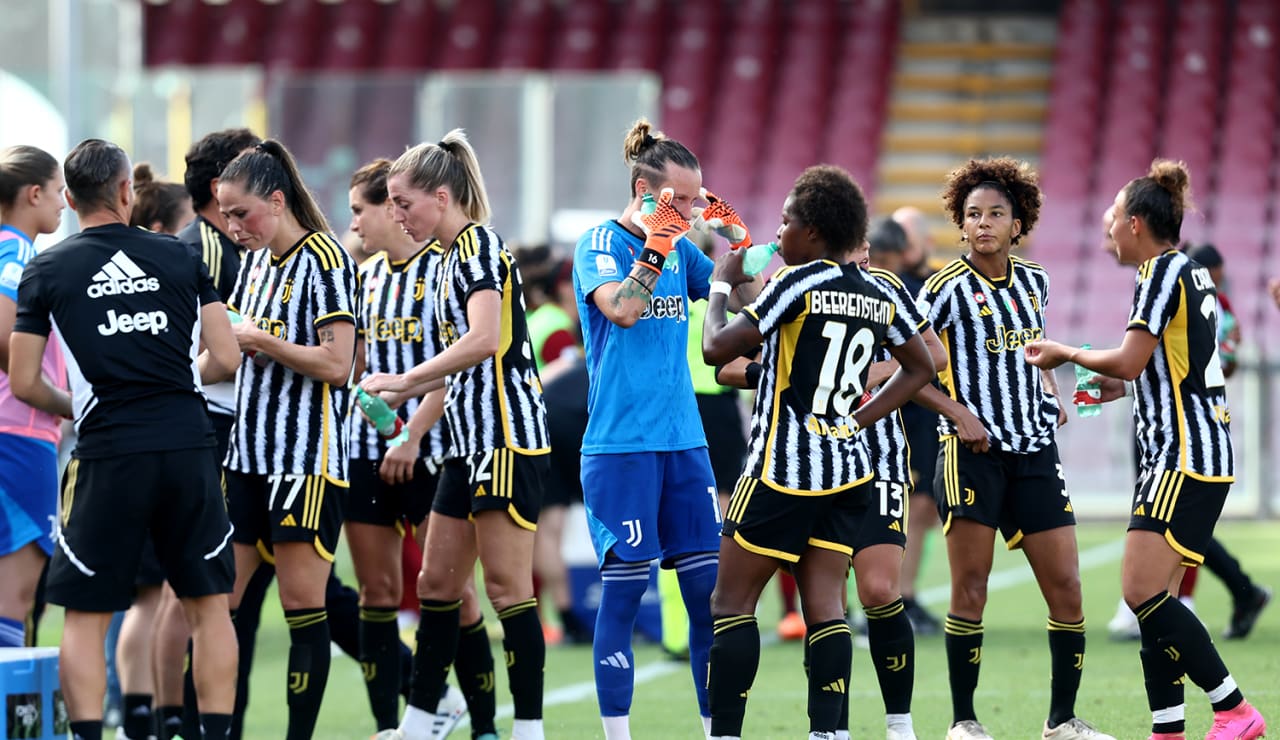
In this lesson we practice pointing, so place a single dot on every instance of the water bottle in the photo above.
(1088, 395)
(236, 318)
(1226, 342)
(758, 257)
(648, 204)
(389, 425)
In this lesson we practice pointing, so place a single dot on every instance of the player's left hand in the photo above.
(1063, 416)
(397, 464)
(379, 382)
(246, 334)
(729, 268)
(1047, 354)
(719, 217)
(1109, 387)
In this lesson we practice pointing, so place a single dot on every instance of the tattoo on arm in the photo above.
(636, 286)
(326, 334)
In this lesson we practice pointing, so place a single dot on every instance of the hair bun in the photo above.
(142, 175)
(1173, 177)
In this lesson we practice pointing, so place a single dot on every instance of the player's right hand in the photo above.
(971, 432)
(664, 227)
(720, 218)
(397, 464)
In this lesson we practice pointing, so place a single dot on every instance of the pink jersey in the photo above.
(15, 416)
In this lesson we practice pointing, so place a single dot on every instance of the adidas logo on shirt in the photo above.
(121, 276)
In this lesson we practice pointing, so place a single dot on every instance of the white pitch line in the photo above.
(1000, 580)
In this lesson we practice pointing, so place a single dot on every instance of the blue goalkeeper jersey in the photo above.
(641, 395)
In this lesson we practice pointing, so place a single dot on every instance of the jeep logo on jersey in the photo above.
(666, 307)
(125, 323)
(121, 276)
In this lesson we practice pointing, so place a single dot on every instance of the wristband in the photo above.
(753, 372)
(652, 259)
(719, 287)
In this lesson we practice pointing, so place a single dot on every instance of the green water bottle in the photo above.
(1088, 395)
(648, 204)
(234, 317)
(758, 257)
(389, 425)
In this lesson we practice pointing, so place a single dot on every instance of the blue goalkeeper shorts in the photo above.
(647, 505)
(28, 493)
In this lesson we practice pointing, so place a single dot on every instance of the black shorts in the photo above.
(768, 522)
(285, 508)
(1019, 494)
(493, 480)
(1183, 509)
(109, 508)
(726, 441)
(922, 436)
(372, 500)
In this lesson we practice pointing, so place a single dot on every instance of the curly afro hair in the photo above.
(827, 198)
(1016, 180)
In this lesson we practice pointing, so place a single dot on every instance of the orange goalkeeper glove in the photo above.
(663, 228)
(721, 218)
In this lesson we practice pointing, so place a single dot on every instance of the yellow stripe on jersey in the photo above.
(945, 376)
(1026, 262)
(330, 316)
(741, 497)
(505, 338)
(211, 251)
(468, 245)
(1178, 353)
(788, 338)
(942, 277)
(69, 480)
(888, 277)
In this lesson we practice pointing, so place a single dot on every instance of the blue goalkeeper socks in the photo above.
(621, 586)
(697, 574)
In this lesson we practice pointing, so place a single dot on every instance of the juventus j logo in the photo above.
(486, 682)
(287, 293)
(369, 669)
(1079, 661)
(634, 535)
(896, 663)
(975, 655)
(298, 681)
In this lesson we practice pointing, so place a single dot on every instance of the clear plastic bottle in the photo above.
(648, 204)
(1088, 395)
(389, 425)
(758, 257)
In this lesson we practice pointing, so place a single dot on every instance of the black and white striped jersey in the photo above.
(286, 422)
(496, 404)
(221, 256)
(821, 323)
(1180, 404)
(397, 323)
(886, 439)
(984, 324)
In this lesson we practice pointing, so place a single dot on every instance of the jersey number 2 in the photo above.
(840, 379)
(1213, 377)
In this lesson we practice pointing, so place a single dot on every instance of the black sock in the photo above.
(574, 629)
(190, 717)
(893, 650)
(1066, 665)
(168, 722)
(474, 669)
(343, 606)
(735, 656)
(245, 619)
(380, 662)
(437, 646)
(87, 730)
(308, 669)
(138, 722)
(526, 650)
(963, 640)
(1173, 625)
(1221, 564)
(215, 726)
(1162, 677)
(830, 659)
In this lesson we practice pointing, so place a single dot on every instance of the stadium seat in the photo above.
(292, 36)
(173, 32)
(525, 35)
(351, 35)
(639, 38)
(468, 39)
(690, 65)
(581, 35)
(240, 28)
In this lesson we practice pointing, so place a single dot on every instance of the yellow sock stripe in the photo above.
(727, 623)
(961, 627)
(885, 611)
(440, 607)
(835, 629)
(518, 608)
(299, 621)
(477, 627)
(380, 615)
(1056, 626)
(1142, 615)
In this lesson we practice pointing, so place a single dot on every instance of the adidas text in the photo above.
(123, 287)
(152, 321)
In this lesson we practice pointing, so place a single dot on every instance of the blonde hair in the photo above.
(452, 163)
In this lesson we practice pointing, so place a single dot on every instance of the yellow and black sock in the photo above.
(526, 651)
(830, 657)
(735, 657)
(1175, 627)
(963, 640)
(1166, 690)
(474, 669)
(437, 645)
(308, 669)
(893, 650)
(380, 663)
(1066, 661)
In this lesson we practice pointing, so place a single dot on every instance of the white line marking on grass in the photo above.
(1008, 578)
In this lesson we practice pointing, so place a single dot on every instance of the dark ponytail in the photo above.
(22, 166)
(269, 167)
(157, 200)
(93, 171)
(1160, 199)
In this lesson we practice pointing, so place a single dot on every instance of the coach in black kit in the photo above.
(130, 307)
